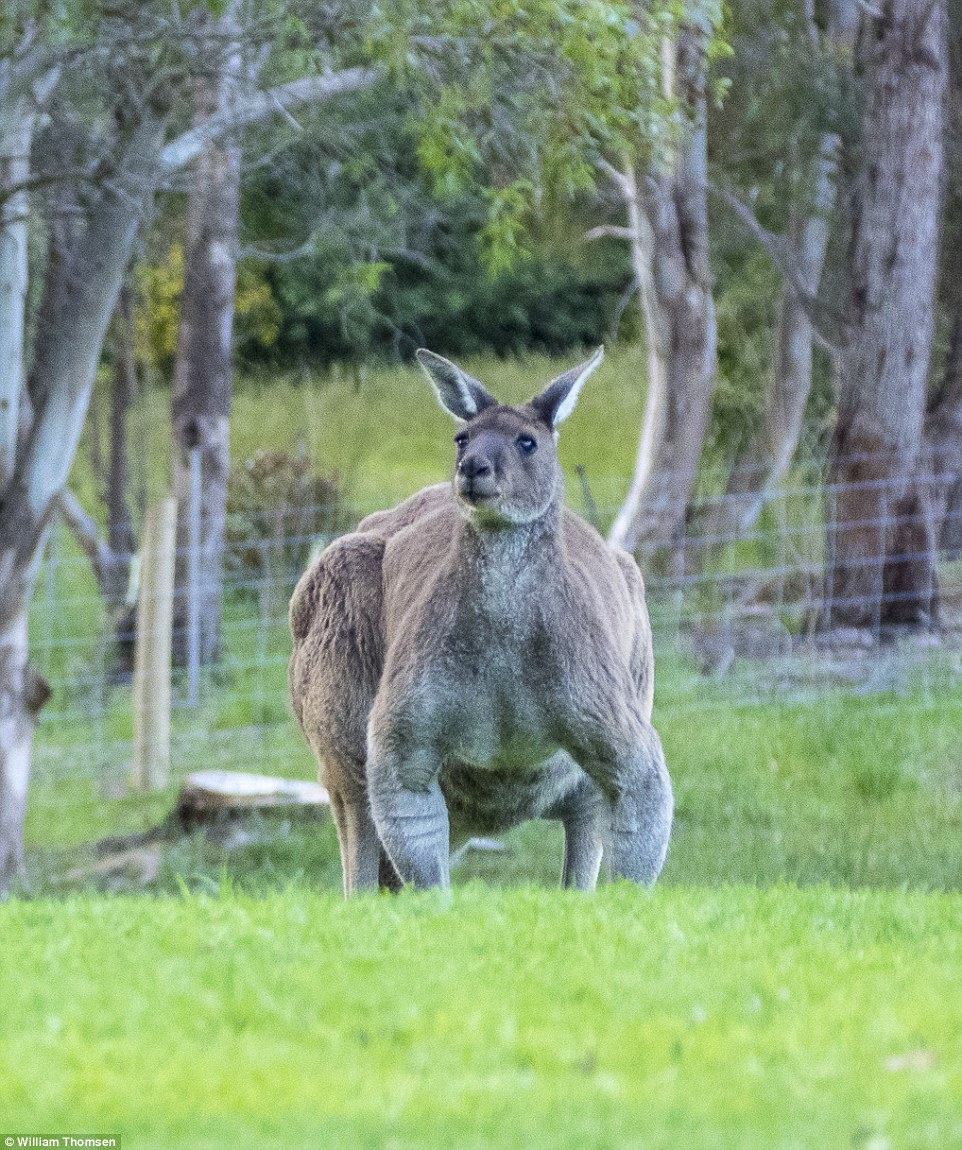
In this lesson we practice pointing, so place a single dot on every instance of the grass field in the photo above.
(683, 1018)
(385, 436)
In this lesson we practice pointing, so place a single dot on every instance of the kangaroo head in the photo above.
(506, 467)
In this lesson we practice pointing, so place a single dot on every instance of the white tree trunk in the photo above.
(22, 694)
(670, 256)
(16, 131)
(641, 241)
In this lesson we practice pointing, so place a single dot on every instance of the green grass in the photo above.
(682, 1018)
(385, 436)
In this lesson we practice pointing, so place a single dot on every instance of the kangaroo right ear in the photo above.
(558, 399)
(458, 393)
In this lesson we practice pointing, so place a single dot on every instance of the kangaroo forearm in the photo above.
(413, 825)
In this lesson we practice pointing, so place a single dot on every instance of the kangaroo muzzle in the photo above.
(475, 478)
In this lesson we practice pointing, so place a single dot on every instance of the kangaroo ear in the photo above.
(558, 399)
(458, 393)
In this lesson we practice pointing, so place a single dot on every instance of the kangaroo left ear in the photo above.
(460, 394)
(558, 399)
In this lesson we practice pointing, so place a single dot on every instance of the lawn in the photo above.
(681, 1018)
(385, 435)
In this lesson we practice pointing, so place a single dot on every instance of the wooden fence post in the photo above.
(193, 579)
(155, 609)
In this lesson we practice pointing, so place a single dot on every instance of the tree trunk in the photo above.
(641, 241)
(68, 350)
(203, 380)
(112, 557)
(671, 258)
(881, 565)
(16, 130)
(943, 437)
(22, 694)
(943, 422)
(123, 388)
(772, 448)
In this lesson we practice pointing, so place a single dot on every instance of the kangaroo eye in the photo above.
(461, 440)
(527, 444)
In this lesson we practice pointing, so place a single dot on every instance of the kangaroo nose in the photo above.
(474, 465)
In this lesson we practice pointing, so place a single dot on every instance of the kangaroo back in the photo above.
(338, 654)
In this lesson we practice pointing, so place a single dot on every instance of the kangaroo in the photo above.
(478, 656)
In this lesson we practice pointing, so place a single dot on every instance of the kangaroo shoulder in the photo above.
(416, 507)
(631, 574)
(611, 570)
(420, 545)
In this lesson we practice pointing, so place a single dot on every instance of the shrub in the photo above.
(278, 511)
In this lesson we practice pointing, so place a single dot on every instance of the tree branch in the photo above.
(259, 106)
(623, 181)
(613, 230)
(84, 530)
(827, 323)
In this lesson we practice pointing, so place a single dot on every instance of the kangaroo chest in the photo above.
(503, 680)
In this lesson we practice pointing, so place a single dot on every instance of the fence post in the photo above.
(193, 580)
(155, 609)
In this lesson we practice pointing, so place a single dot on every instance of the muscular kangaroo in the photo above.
(480, 655)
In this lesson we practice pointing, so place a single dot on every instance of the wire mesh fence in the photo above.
(740, 616)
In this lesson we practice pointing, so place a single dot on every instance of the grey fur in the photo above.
(479, 654)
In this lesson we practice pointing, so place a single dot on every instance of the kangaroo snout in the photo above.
(475, 477)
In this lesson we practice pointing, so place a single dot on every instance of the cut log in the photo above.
(206, 794)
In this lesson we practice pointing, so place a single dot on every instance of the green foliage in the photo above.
(438, 190)
(257, 314)
(159, 287)
(530, 94)
(453, 304)
(786, 91)
(746, 302)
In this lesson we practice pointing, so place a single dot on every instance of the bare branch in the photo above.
(827, 323)
(612, 230)
(633, 288)
(281, 257)
(623, 181)
(259, 106)
(89, 539)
